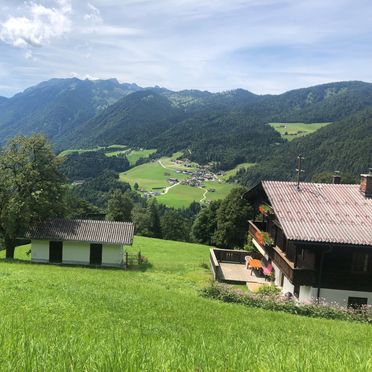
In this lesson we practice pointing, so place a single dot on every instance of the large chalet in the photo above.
(318, 238)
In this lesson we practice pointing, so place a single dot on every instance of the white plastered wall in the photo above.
(287, 286)
(278, 274)
(112, 255)
(307, 294)
(331, 296)
(76, 253)
(40, 250)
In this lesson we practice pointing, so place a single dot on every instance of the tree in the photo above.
(174, 226)
(76, 207)
(147, 220)
(135, 186)
(153, 213)
(232, 220)
(327, 177)
(31, 187)
(119, 207)
(205, 223)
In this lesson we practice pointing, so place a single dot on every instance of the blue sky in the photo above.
(265, 46)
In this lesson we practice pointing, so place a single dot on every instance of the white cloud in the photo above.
(97, 25)
(40, 26)
(262, 45)
(29, 55)
(94, 14)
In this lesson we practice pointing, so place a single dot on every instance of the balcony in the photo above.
(230, 266)
(294, 274)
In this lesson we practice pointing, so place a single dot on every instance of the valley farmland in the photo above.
(177, 183)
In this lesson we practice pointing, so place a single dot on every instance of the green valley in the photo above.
(176, 183)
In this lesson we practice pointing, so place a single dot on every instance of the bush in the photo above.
(268, 290)
(279, 303)
(249, 246)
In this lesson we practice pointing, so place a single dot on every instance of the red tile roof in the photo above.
(322, 212)
(84, 231)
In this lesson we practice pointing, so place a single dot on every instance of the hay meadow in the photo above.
(152, 318)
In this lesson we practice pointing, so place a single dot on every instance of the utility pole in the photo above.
(299, 170)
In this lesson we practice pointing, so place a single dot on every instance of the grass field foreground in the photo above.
(290, 131)
(70, 318)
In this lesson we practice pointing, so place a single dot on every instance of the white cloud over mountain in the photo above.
(39, 26)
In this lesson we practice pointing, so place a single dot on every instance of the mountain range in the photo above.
(228, 127)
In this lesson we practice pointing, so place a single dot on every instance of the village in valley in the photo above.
(193, 175)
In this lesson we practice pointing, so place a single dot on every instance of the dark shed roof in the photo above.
(83, 231)
(322, 212)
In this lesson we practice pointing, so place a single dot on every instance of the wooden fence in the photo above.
(133, 259)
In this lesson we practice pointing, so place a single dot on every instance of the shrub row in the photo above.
(279, 303)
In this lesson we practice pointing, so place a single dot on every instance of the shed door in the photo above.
(96, 254)
(55, 252)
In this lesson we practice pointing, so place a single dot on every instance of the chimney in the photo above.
(336, 179)
(366, 184)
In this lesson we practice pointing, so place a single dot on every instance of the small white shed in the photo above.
(81, 242)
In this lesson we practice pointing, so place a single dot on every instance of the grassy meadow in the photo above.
(181, 196)
(57, 318)
(153, 176)
(232, 172)
(132, 154)
(290, 131)
(150, 176)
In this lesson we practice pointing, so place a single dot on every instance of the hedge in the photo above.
(225, 293)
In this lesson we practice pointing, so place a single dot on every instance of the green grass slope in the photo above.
(69, 318)
(150, 176)
(290, 131)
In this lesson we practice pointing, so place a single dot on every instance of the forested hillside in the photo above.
(133, 120)
(345, 146)
(228, 139)
(227, 128)
(56, 106)
(321, 103)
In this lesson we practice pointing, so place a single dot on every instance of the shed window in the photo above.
(356, 302)
(361, 263)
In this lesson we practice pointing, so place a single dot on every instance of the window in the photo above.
(360, 263)
(356, 302)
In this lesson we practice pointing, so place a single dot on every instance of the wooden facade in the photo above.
(313, 240)
(326, 265)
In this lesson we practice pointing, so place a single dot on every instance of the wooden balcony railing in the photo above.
(295, 275)
(255, 229)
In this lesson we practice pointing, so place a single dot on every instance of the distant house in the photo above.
(318, 238)
(173, 180)
(80, 242)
